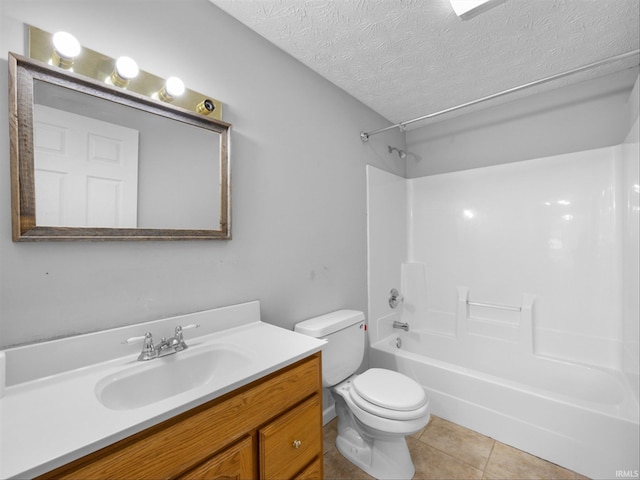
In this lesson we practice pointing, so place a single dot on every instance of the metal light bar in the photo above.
(365, 135)
(100, 67)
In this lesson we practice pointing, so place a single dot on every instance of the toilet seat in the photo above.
(389, 394)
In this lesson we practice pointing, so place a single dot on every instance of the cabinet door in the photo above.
(236, 462)
(292, 441)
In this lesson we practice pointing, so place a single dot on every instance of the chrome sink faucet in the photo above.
(165, 347)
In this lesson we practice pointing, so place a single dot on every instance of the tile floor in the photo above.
(444, 450)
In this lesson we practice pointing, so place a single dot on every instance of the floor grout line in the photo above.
(484, 469)
(461, 460)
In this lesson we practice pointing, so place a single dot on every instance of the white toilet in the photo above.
(376, 409)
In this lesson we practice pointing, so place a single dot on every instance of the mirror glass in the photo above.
(102, 164)
(93, 161)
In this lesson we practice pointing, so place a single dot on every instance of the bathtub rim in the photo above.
(588, 442)
(629, 411)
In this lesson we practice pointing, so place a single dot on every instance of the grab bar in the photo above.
(494, 305)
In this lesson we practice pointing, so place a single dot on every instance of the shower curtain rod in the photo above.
(365, 135)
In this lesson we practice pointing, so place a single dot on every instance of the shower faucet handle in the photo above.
(395, 298)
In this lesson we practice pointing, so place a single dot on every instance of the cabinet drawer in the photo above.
(312, 472)
(291, 441)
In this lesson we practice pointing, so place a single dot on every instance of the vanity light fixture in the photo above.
(65, 49)
(173, 87)
(97, 66)
(125, 70)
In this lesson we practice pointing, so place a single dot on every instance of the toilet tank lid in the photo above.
(329, 323)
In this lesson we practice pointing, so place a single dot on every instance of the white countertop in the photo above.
(50, 421)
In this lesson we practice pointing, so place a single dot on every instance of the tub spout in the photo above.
(402, 325)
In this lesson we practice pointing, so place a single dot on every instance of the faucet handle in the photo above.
(148, 349)
(180, 328)
(136, 339)
(187, 327)
(178, 337)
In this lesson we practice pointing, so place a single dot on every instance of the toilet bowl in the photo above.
(376, 409)
(372, 434)
(386, 400)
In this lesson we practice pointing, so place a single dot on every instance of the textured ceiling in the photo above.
(408, 58)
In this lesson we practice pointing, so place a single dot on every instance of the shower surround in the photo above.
(520, 286)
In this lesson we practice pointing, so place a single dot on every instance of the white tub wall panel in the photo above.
(451, 228)
(528, 227)
(417, 301)
(630, 152)
(443, 323)
(387, 246)
(493, 329)
(604, 390)
(414, 288)
(579, 348)
(418, 308)
(490, 277)
(485, 321)
(507, 362)
(491, 322)
(480, 353)
(384, 325)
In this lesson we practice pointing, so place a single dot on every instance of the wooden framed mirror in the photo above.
(90, 161)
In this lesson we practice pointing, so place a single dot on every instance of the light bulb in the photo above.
(126, 69)
(65, 48)
(173, 87)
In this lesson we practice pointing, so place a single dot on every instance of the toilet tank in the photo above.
(344, 331)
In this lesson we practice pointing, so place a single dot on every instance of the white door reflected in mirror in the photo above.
(86, 171)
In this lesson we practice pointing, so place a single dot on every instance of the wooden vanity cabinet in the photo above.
(269, 429)
(290, 441)
(234, 462)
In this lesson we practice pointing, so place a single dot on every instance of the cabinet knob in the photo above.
(297, 443)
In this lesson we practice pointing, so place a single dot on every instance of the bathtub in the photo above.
(582, 418)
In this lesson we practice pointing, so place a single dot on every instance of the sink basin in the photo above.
(152, 381)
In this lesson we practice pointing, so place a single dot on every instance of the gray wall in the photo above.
(591, 114)
(298, 200)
